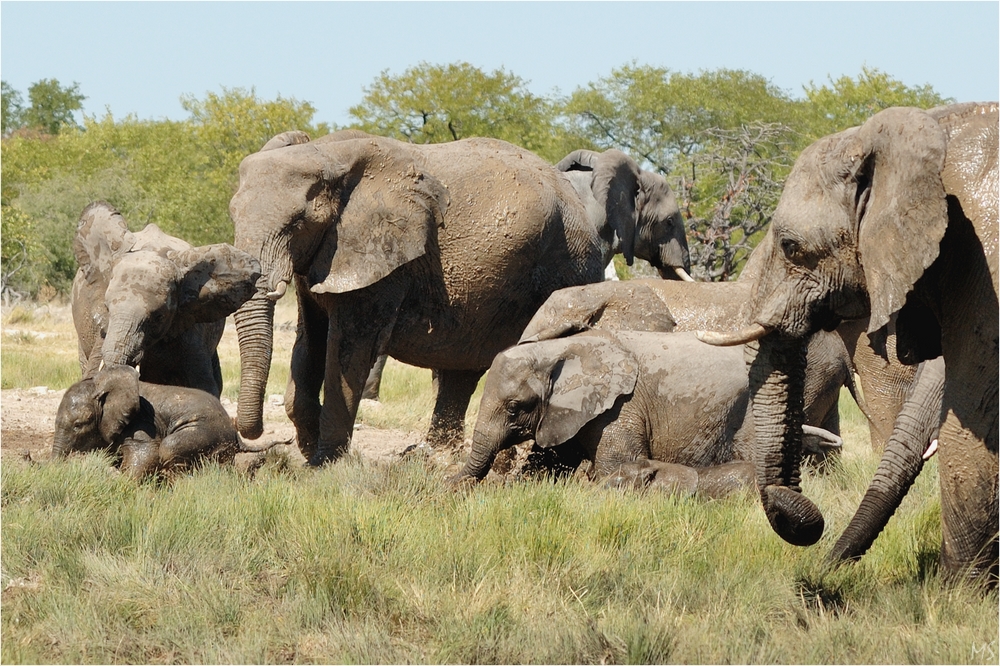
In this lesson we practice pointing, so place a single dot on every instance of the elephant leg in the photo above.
(305, 378)
(969, 509)
(453, 389)
(140, 457)
(360, 324)
(374, 381)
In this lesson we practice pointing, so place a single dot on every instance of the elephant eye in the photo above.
(790, 248)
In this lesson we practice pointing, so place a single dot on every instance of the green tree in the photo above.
(848, 102)
(52, 105)
(440, 103)
(13, 108)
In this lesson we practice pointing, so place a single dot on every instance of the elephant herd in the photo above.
(476, 255)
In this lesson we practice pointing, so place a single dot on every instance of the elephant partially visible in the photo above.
(149, 427)
(627, 401)
(661, 305)
(437, 255)
(151, 300)
(620, 197)
(896, 217)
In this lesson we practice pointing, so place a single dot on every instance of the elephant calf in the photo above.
(645, 407)
(152, 427)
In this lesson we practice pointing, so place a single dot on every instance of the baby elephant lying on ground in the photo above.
(152, 427)
(647, 408)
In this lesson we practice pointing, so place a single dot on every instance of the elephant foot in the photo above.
(327, 453)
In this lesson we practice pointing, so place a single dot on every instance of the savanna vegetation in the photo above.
(361, 562)
(725, 140)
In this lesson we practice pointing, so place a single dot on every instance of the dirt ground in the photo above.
(27, 417)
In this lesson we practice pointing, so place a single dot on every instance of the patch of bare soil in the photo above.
(27, 419)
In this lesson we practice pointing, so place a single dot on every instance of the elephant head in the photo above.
(341, 212)
(860, 221)
(636, 206)
(151, 286)
(94, 412)
(547, 391)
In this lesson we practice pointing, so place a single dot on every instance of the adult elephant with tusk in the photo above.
(619, 196)
(897, 217)
(435, 254)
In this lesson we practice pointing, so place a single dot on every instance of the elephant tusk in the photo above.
(828, 439)
(278, 292)
(931, 450)
(683, 274)
(748, 334)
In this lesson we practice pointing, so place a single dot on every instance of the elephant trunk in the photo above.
(255, 332)
(902, 460)
(777, 377)
(124, 342)
(488, 440)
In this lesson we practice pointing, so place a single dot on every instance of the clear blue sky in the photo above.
(139, 58)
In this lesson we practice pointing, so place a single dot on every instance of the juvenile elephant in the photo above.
(661, 305)
(621, 197)
(435, 254)
(628, 401)
(895, 217)
(152, 427)
(151, 300)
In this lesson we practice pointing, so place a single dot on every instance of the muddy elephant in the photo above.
(618, 195)
(437, 255)
(627, 401)
(660, 305)
(151, 300)
(895, 217)
(148, 427)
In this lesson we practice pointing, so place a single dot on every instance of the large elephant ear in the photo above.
(897, 157)
(116, 390)
(587, 376)
(616, 186)
(579, 160)
(390, 218)
(290, 138)
(102, 235)
(215, 280)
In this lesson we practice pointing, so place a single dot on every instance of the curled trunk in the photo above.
(777, 376)
(902, 460)
(255, 331)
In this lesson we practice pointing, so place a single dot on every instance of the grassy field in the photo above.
(361, 562)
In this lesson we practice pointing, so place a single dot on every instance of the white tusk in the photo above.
(683, 274)
(931, 450)
(748, 334)
(828, 439)
(278, 292)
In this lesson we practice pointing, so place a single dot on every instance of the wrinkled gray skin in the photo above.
(437, 255)
(917, 425)
(618, 195)
(151, 300)
(895, 217)
(151, 427)
(619, 398)
(659, 305)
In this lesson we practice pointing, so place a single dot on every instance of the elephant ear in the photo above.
(386, 222)
(897, 157)
(116, 390)
(102, 235)
(290, 138)
(587, 377)
(616, 187)
(215, 280)
(579, 160)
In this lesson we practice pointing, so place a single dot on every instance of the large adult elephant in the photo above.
(435, 254)
(895, 217)
(151, 300)
(619, 195)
